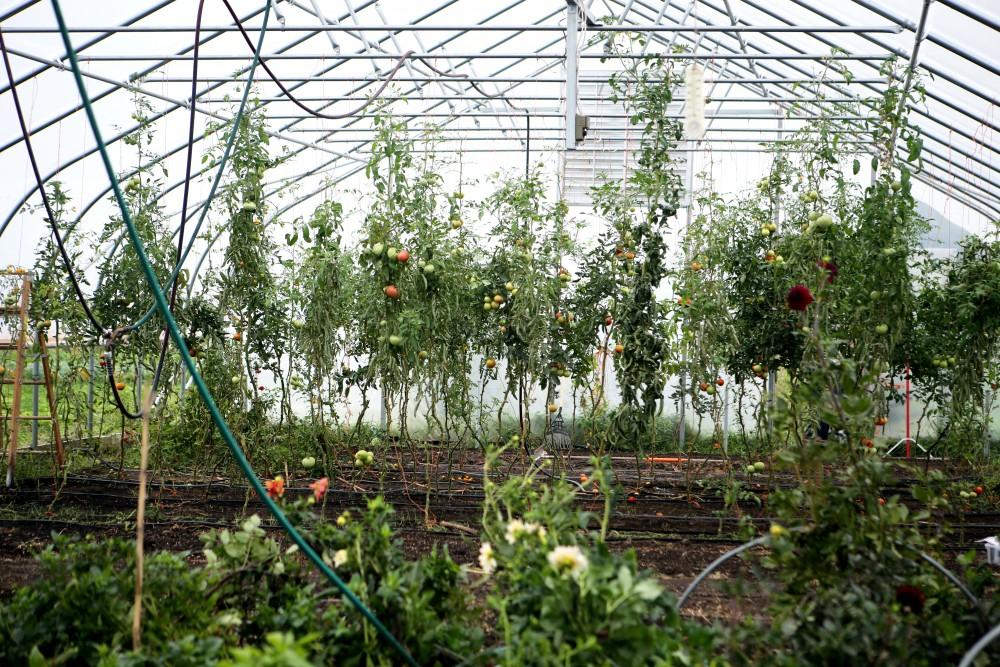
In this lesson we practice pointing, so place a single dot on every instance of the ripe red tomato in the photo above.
(703, 386)
(632, 499)
(978, 490)
(391, 291)
(881, 501)
(403, 256)
(720, 382)
(608, 320)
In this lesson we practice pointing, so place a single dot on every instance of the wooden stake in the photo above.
(140, 520)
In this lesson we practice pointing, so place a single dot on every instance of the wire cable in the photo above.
(206, 205)
(295, 100)
(206, 395)
(165, 344)
(102, 331)
(50, 215)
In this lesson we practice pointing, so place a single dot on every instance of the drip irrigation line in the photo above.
(230, 140)
(50, 215)
(109, 363)
(473, 85)
(295, 100)
(101, 330)
(206, 395)
(165, 344)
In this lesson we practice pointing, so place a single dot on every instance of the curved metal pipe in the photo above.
(38, 70)
(764, 539)
(978, 647)
(114, 139)
(279, 134)
(944, 187)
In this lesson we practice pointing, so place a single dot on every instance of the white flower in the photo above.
(535, 529)
(339, 557)
(516, 528)
(568, 559)
(487, 562)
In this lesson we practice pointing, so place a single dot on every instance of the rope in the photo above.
(206, 395)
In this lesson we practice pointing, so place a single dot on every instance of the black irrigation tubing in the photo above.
(656, 487)
(295, 100)
(165, 345)
(45, 199)
(970, 520)
(109, 367)
(50, 215)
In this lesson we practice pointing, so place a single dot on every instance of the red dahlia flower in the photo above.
(830, 268)
(910, 598)
(319, 488)
(799, 297)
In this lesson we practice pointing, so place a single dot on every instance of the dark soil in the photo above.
(676, 527)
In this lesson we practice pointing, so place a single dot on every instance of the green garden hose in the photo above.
(206, 396)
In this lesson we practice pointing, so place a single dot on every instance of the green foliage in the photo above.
(79, 608)
(645, 87)
(423, 602)
(842, 552)
(560, 595)
(278, 650)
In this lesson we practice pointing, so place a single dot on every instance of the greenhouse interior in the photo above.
(548, 332)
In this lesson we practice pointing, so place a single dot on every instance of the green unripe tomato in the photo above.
(824, 221)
